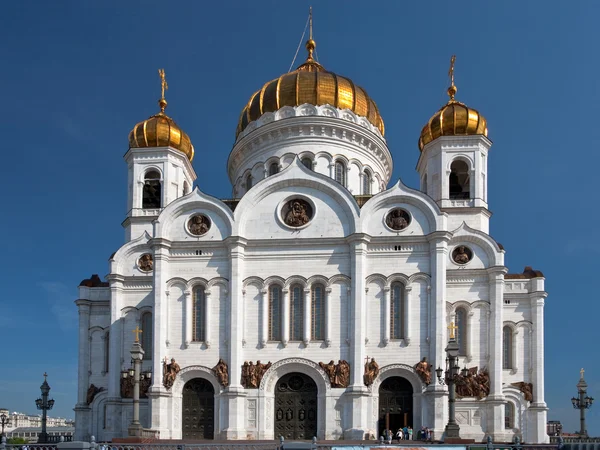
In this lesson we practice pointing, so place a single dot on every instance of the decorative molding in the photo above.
(272, 375)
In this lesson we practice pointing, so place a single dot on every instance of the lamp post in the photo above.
(137, 354)
(4, 421)
(582, 403)
(451, 372)
(44, 405)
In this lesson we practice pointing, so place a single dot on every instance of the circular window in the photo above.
(296, 212)
(462, 255)
(145, 263)
(199, 225)
(398, 219)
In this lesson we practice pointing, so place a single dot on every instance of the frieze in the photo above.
(194, 252)
(131, 285)
(396, 248)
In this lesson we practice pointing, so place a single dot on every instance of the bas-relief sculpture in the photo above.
(473, 384)
(339, 374)
(526, 389)
(145, 263)
(91, 393)
(127, 387)
(170, 372)
(371, 372)
(199, 225)
(397, 219)
(221, 371)
(462, 254)
(423, 369)
(252, 374)
(297, 212)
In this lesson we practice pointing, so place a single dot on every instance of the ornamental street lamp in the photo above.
(582, 403)
(450, 375)
(4, 421)
(137, 354)
(44, 405)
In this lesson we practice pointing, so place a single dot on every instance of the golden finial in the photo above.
(164, 86)
(137, 332)
(452, 327)
(310, 44)
(452, 89)
(581, 372)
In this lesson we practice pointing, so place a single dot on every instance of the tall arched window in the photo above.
(296, 313)
(318, 312)
(199, 315)
(459, 180)
(367, 183)
(397, 311)
(106, 351)
(273, 169)
(248, 182)
(275, 313)
(461, 332)
(509, 415)
(340, 172)
(507, 347)
(152, 192)
(307, 163)
(147, 334)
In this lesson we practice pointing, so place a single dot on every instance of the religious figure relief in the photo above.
(127, 387)
(146, 263)
(221, 371)
(473, 384)
(397, 219)
(462, 255)
(199, 225)
(371, 372)
(170, 372)
(252, 374)
(339, 374)
(423, 369)
(297, 212)
(526, 389)
(91, 393)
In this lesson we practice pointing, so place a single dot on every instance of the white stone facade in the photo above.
(346, 248)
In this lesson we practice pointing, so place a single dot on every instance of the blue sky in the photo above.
(76, 76)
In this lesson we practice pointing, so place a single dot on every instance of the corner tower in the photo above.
(453, 163)
(159, 162)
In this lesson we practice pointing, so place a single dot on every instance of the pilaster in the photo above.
(307, 317)
(537, 411)
(264, 304)
(386, 309)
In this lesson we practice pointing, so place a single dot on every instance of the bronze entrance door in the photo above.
(296, 407)
(198, 410)
(395, 404)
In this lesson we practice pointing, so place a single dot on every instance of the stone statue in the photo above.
(170, 372)
(261, 369)
(127, 387)
(473, 384)
(482, 381)
(526, 389)
(246, 374)
(342, 374)
(299, 213)
(199, 225)
(423, 369)
(221, 371)
(146, 263)
(461, 256)
(371, 372)
(397, 219)
(91, 393)
(252, 374)
(329, 370)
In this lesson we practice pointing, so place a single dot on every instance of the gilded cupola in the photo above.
(310, 83)
(453, 119)
(160, 130)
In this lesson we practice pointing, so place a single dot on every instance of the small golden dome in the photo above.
(310, 83)
(160, 130)
(453, 119)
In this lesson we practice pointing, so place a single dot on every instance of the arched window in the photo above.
(367, 183)
(459, 180)
(273, 169)
(199, 315)
(507, 347)
(307, 163)
(151, 196)
(296, 313)
(509, 415)
(106, 351)
(397, 311)
(275, 313)
(147, 334)
(318, 312)
(248, 182)
(340, 172)
(461, 332)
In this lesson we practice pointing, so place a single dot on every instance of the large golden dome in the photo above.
(310, 83)
(160, 130)
(453, 119)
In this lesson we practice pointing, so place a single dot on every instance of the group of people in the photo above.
(406, 433)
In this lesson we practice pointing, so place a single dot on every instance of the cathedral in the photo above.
(319, 300)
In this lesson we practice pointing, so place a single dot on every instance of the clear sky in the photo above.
(77, 76)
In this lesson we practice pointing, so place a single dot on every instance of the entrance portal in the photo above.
(296, 407)
(198, 410)
(395, 404)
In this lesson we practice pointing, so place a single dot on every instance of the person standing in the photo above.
(410, 433)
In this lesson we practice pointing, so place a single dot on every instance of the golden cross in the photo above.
(451, 70)
(163, 82)
(452, 327)
(137, 332)
(581, 372)
(46, 375)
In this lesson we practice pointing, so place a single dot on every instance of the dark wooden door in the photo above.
(296, 407)
(198, 410)
(395, 404)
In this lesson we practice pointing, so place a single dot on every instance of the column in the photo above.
(264, 302)
(407, 310)
(207, 305)
(537, 412)
(386, 313)
(167, 330)
(189, 316)
(307, 317)
(285, 316)
(328, 316)
(82, 409)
